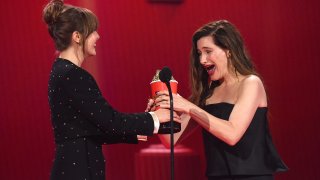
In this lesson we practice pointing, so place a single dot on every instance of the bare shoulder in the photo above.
(252, 81)
(252, 85)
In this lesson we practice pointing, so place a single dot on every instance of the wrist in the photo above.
(156, 122)
(188, 108)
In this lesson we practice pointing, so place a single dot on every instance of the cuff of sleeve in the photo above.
(156, 122)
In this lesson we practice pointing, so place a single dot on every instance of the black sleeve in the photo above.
(128, 139)
(84, 95)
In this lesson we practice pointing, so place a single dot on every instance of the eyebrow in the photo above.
(204, 48)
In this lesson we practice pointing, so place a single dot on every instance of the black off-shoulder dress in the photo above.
(83, 121)
(253, 157)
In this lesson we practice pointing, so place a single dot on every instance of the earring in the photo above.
(228, 55)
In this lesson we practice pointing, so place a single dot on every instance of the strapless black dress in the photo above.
(255, 153)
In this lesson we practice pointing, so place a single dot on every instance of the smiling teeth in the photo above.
(210, 67)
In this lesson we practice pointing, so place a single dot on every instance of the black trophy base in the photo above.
(165, 128)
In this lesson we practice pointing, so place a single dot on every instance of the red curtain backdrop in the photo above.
(138, 37)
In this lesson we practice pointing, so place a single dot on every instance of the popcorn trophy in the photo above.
(157, 85)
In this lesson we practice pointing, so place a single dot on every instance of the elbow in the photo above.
(232, 141)
(232, 137)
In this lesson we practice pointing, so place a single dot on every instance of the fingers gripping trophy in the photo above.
(156, 86)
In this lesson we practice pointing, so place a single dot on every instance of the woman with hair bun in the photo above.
(82, 119)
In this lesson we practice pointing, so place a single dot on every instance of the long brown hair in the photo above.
(63, 19)
(227, 37)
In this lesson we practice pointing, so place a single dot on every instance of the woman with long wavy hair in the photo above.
(229, 102)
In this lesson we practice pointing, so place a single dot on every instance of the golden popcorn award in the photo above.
(156, 86)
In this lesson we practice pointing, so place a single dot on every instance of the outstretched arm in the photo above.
(251, 96)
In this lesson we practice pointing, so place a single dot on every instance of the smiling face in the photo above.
(90, 44)
(213, 58)
(217, 54)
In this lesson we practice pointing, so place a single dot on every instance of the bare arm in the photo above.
(251, 96)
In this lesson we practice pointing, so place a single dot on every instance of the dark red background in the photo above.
(138, 37)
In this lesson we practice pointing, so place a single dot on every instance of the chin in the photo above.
(92, 54)
(212, 78)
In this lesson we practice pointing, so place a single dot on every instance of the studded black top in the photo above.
(83, 120)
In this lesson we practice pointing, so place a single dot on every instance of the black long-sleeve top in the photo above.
(83, 120)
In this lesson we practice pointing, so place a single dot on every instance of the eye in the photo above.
(208, 51)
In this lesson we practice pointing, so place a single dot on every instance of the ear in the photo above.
(76, 37)
(228, 53)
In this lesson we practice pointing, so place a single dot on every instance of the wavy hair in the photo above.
(227, 37)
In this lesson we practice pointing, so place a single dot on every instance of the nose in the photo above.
(203, 59)
(98, 36)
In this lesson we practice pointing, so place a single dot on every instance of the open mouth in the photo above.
(210, 69)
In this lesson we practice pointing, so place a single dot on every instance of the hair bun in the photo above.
(52, 11)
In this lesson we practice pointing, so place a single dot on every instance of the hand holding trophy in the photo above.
(156, 86)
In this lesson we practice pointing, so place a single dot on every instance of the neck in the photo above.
(231, 78)
(73, 54)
